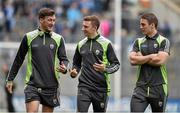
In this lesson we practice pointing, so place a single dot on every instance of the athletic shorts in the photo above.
(85, 97)
(154, 96)
(48, 97)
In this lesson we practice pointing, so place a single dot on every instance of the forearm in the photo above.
(113, 60)
(77, 60)
(138, 60)
(62, 54)
(158, 59)
(112, 68)
(18, 61)
(13, 72)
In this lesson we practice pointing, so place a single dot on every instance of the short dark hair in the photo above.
(151, 18)
(43, 12)
(94, 20)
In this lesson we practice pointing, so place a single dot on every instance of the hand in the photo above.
(73, 72)
(139, 54)
(99, 67)
(153, 55)
(62, 68)
(9, 86)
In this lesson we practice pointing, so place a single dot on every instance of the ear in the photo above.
(41, 20)
(153, 25)
(95, 28)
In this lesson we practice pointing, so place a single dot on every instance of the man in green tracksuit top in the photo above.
(150, 53)
(44, 48)
(95, 57)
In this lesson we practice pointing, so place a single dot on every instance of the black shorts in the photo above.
(48, 97)
(85, 97)
(154, 96)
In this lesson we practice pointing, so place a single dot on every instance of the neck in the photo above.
(152, 33)
(92, 36)
(42, 29)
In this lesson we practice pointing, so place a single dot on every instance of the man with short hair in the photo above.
(44, 48)
(150, 53)
(96, 59)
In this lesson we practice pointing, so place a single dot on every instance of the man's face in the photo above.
(47, 23)
(145, 27)
(88, 28)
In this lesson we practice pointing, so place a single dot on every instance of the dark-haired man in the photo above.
(150, 53)
(44, 48)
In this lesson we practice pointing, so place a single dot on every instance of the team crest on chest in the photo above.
(97, 52)
(51, 46)
(155, 45)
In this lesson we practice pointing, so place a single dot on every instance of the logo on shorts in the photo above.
(102, 105)
(52, 46)
(160, 103)
(55, 101)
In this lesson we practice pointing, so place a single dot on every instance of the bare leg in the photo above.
(47, 109)
(32, 107)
